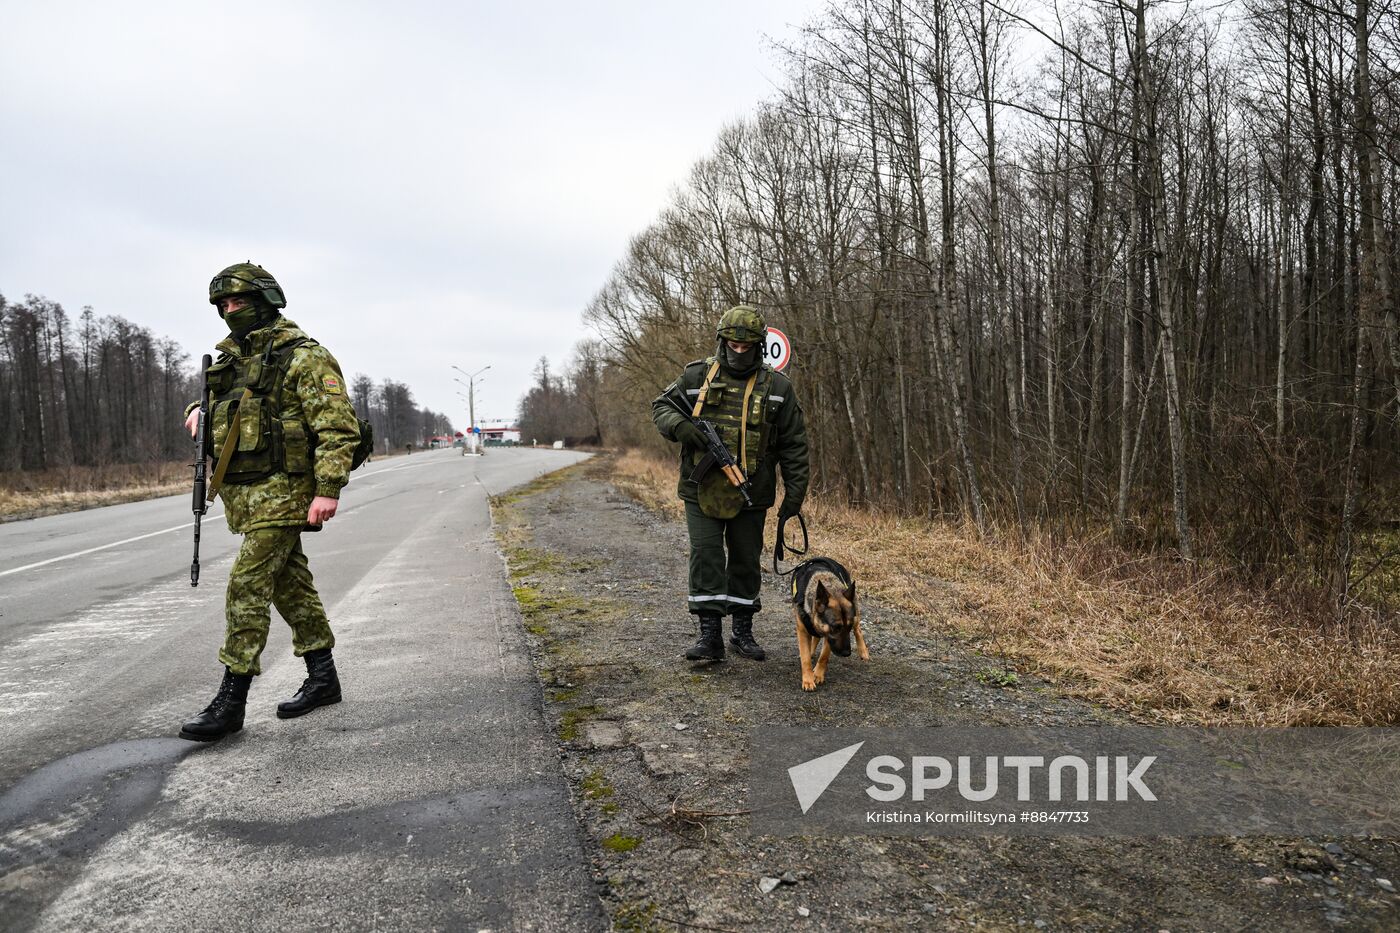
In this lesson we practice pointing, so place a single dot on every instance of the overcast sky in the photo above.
(432, 184)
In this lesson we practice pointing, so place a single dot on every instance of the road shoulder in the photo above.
(656, 751)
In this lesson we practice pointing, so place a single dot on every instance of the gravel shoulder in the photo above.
(656, 753)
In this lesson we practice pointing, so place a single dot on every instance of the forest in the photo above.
(1124, 270)
(103, 391)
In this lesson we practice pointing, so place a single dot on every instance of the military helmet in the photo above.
(742, 323)
(249, 281)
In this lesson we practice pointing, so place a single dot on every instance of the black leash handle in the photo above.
(780, 546)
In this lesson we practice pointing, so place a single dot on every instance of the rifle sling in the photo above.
(230, 443)
(704, 389)
(744, 424)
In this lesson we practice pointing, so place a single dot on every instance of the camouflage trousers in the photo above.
(271, 569)
(723, 585)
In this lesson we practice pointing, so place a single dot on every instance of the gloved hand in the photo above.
(789, 508)
(688, 433)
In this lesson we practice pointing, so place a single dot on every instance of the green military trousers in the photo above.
(271, 568)
(717, 586)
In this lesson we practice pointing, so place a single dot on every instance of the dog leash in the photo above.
(779, 547)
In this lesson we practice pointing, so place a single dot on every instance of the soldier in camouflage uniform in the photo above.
(756, 414)
(283, 435)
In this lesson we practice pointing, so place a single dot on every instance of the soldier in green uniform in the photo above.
(756, 414)
(283, 437)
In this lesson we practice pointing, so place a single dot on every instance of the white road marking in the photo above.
(411, 466)
(208, 518)
(152, 534)
(103, 547)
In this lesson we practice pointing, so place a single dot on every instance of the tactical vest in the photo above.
(729, 403)
(266, 443)
(723, 406)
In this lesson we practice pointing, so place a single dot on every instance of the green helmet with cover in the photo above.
(742, 323)
(249, 281)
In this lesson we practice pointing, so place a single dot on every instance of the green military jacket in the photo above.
(313, 395)
(784, 442)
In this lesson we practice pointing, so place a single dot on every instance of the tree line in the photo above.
(565, 406)
(101, 390)
(397, 420)
(1145, 284)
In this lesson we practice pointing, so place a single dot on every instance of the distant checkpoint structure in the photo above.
(498, 432)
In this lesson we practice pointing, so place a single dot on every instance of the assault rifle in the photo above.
(200, 461)
(716, 454)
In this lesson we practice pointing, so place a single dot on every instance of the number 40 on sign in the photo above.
(778, 350)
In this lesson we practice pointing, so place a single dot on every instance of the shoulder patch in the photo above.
(331, 384)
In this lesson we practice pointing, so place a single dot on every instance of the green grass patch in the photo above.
(617, 842)
(540, 608)
(525, 561)
(522, 561)
(570, 721)
(636, 917)
(534, 487)
(595, 785)
(555, 619)
(991, 677)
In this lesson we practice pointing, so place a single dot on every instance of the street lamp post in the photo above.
(467, 441)
(471, 400)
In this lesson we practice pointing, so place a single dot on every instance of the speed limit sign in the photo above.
(778, 349)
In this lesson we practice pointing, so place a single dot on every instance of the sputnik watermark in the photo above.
(1114, 778)
(1097, 781)
(811, 778)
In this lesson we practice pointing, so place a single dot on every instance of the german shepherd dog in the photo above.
(824, 605)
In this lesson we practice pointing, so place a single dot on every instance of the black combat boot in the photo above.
(710, 646)
(320, 688)
(741, 639)
(224, 715)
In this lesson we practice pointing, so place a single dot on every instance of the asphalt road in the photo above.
(432, 798)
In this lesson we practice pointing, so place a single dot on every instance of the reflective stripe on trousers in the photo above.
(724, 561)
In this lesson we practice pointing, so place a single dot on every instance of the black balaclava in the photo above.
(244, 321)
(741, 364)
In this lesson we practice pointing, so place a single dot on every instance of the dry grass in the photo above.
(68, 489)
(649, 480)
(34, 493)
(1146, 634)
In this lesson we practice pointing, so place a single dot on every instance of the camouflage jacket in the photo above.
(314, 394)
(784, 445)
